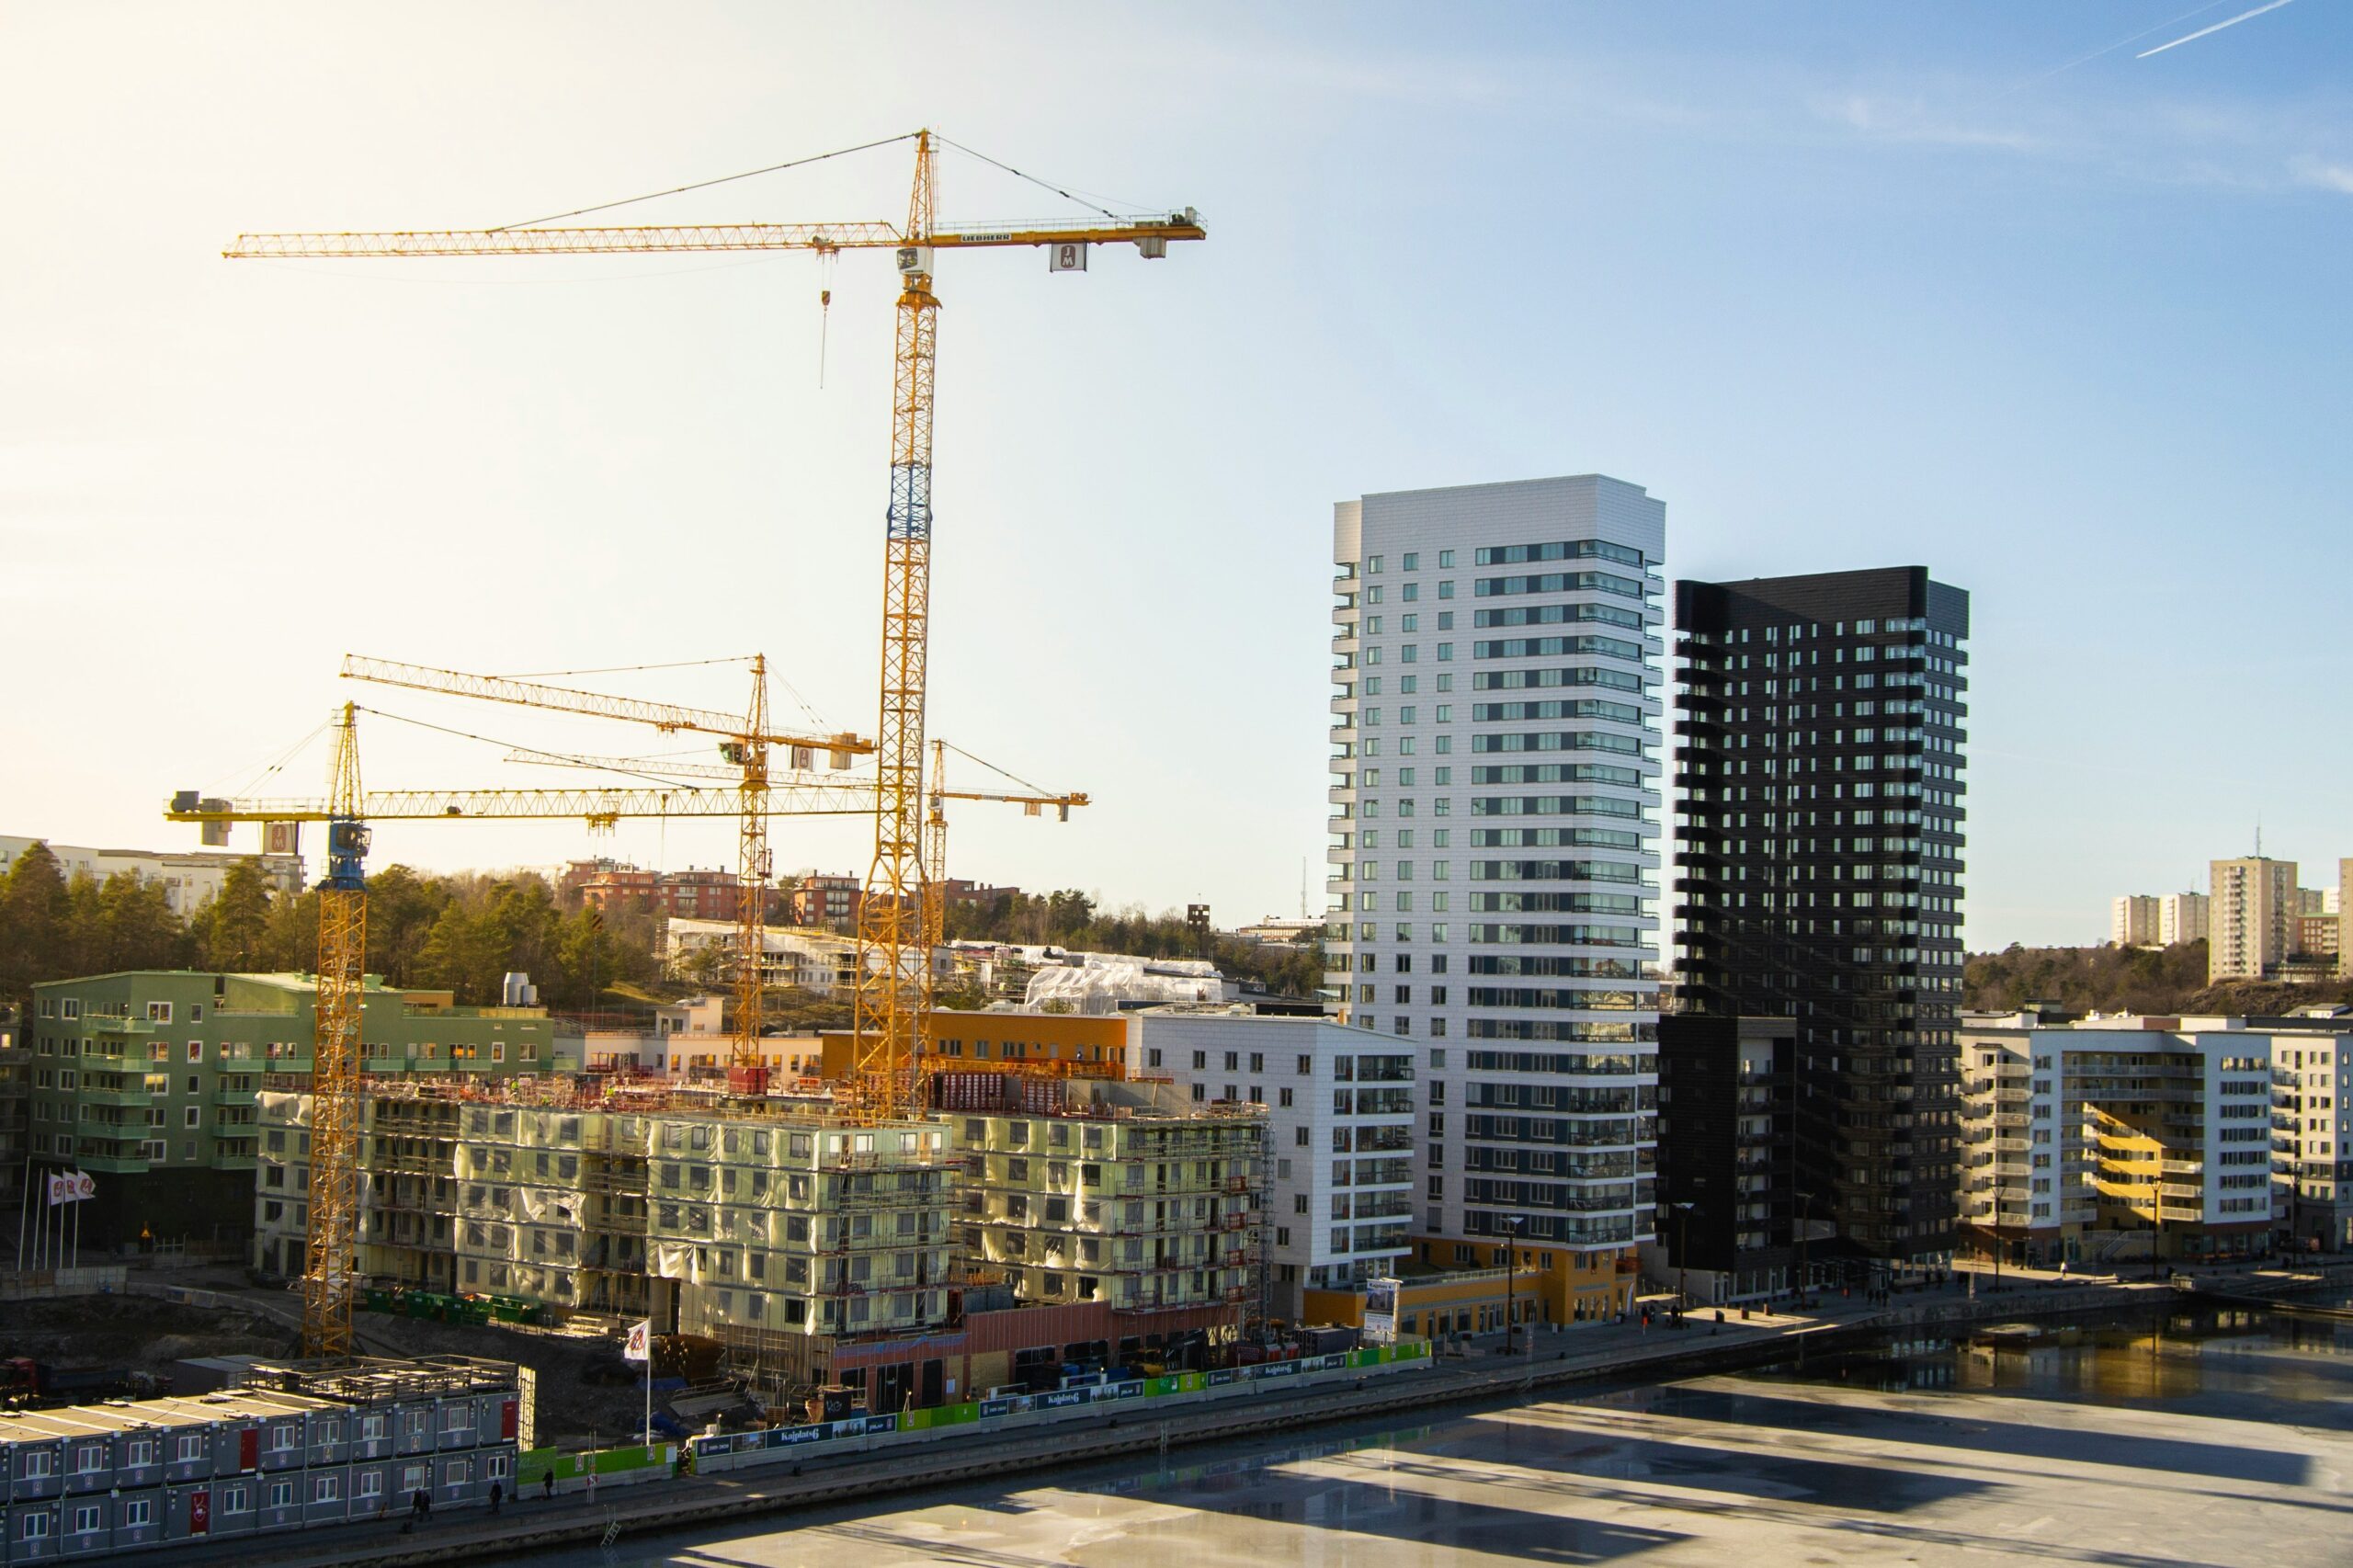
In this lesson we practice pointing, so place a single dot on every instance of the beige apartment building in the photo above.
(2251, 918)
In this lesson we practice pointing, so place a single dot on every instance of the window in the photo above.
(281, 1493)
(326, 1488)
(159, 1012)
(1413, 560)
(372, 1483)
(35, 1528)
(137, 1512)
(35, 1466)
(89, 1458)
(191, 1446)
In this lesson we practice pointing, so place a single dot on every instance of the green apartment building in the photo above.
(147, 1080)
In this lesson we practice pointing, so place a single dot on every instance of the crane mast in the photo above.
(888, 1005)
(332, 1237)
(745, 1073)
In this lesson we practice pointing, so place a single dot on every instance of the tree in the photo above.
(233, 931)
(590, 958)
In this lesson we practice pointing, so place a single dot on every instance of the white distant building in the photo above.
(814, 960)
(2135, 920)
(189, 881)
(2181, 917)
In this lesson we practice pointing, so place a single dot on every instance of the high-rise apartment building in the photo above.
(1496, 741)
(2134, 920)
(1819, 757)
(2181, 917)
(2250, 918)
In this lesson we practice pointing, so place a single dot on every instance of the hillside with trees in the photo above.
(465, 931)
(2130, 979)
(461, 932)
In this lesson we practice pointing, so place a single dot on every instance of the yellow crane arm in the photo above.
(587, 805)
(664, 716)
(672, 767)
(629, 240)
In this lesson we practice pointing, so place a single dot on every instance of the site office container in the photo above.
(35, 1464)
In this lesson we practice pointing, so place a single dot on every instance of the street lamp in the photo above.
(1682, 1255)
(1512, 1222)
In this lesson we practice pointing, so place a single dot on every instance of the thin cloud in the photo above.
(2337, 177)
(1910, 121)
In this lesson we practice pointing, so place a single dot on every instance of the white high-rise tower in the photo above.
(1494, 861)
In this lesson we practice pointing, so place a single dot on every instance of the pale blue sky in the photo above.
(1845, 285)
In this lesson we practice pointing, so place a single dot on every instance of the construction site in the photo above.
(889, 1222)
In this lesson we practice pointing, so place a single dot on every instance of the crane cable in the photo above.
(707, 183)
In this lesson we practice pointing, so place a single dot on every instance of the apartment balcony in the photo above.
(126, 1095)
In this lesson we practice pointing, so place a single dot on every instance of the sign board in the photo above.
(1380, 1311)
(1066, 258)
(281, 837)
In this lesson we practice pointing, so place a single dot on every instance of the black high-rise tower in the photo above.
(1820, 759)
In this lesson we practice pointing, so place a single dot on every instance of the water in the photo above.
(2180, 1436)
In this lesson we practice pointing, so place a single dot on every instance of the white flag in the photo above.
(71, 1186)
(85, 1185)
(641, 1337)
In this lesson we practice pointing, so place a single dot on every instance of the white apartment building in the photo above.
(2312, 1129)
(2134, 920)
(2181, 917)
(814, 961)
(1493, 858)
(1340, 1119)
(189, 881)
(2079, 1137)
(2251, 920)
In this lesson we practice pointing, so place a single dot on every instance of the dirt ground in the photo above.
(138, 1332)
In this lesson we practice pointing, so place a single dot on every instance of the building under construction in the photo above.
(786, 1228)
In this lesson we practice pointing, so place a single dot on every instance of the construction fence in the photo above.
(778, 1445)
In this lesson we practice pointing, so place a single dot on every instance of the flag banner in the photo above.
(71, 1186)
(641, 1336)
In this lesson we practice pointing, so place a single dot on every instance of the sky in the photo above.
(1847, 285)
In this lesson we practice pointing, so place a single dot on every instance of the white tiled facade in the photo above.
(1340, 1119)
(1494, 856)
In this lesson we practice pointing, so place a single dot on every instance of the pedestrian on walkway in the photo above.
(548, 1481)
(497, 1495)
(419, 1506)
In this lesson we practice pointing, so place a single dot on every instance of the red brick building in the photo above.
(693, 894)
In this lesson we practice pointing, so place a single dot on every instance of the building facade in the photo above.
(1340, 1123)
(2134, 920)
(1728, 1208)
(1495, 738)
(2312, 1127)
(291, 1447)
(148, 1080)
(690, 894)
(2181, 917)
(1821, 754)
(2106, 1137)
(2251, 918)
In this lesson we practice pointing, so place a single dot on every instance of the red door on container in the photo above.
(199, 1513)
(507, 1419)
(249, 1449)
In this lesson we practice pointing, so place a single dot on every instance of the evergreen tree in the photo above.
(233, 931)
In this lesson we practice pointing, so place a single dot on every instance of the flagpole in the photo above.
(649, 1389)
(24, 1212)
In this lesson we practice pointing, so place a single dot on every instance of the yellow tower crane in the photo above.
(889, 1021)
(331, 1235)
(744, 744)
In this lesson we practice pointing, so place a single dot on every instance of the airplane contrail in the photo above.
(2218, 27)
